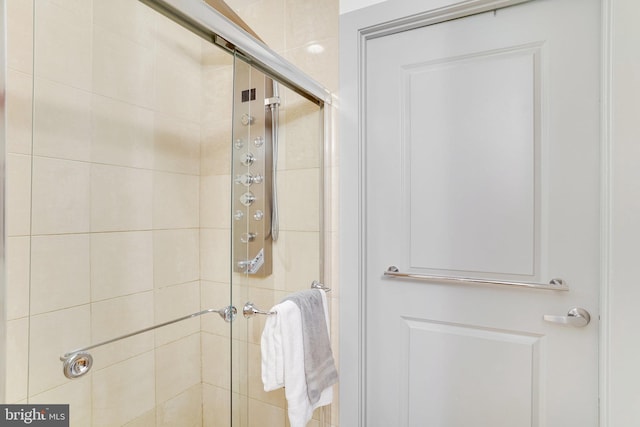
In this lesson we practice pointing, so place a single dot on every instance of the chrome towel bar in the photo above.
(78, 362)
(553, 285)
(250, 309)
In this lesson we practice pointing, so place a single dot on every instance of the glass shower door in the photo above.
(112, 225)
(121, 218)
(276, 221)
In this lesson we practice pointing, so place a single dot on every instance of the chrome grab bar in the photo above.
(250, 309)
(78, 362)
(553, 285)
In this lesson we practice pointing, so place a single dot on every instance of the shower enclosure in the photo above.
(163, 166)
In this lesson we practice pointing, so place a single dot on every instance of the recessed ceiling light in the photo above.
(315, 48)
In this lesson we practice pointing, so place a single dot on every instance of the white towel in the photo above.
(272, 357)
(282, 339)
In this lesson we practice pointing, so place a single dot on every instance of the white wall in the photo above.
(624, 293)
(351, 5)
(347, 6)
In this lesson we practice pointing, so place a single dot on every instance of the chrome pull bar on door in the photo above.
(78, 362)
(553, 285)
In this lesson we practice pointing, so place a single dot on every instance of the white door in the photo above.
(482, 161)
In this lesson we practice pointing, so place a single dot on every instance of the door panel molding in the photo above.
(509, 363)
(501, 137)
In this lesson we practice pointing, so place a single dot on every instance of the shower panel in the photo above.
(253, 171)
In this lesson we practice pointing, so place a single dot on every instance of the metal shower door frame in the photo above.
(205, 21)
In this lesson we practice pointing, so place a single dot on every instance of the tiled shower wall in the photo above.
(129, 221)
(103, 165)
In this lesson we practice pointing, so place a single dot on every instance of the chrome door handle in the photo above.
(578, 317)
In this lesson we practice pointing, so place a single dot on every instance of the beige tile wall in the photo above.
(18, 183)
(118, 174)
(103, 204)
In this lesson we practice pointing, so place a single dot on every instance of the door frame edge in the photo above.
(606, 214)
